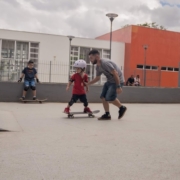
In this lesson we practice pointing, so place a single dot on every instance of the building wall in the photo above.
(58, 46)
(163, 51)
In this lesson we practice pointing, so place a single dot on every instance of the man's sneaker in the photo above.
(34, 98)
(23, 98)
(122, 111)
(67, 110)
(105, 117)
(87, 110)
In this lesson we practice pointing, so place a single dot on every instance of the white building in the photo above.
(50, 54)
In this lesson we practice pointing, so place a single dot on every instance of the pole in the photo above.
(111, 19)
(50, 72)
(9, 69)
(69, 58)
(144, 66)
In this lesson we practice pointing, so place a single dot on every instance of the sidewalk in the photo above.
(43, 144)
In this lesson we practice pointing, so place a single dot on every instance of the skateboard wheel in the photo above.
(91, 115)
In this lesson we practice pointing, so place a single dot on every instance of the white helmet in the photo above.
(80, 64)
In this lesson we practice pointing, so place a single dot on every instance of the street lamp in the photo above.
(111, 16)
(70, 39)
(145, 48)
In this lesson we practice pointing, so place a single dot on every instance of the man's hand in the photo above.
(85, 83)
(87, 89)
(118, 90)
(20, 79)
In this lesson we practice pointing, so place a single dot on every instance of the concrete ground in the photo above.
(43, 144)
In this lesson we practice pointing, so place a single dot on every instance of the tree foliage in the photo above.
(150, 25)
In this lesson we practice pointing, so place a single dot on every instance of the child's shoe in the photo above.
(67, 110)
(87, 110)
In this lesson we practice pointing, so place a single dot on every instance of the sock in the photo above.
(107, 113)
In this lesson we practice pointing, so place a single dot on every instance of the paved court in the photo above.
(43, 144)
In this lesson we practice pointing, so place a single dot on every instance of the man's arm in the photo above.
(96, 79)
(116, 77)
(117, 80)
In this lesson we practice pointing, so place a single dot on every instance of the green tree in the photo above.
(150, 25)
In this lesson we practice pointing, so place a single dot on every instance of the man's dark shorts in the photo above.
(109, 91)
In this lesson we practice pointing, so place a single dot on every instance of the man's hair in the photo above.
(30, 62)
(94, 52)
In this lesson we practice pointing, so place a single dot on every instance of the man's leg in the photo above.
(111, 96)
(106, 116)
(105, 105)
(116, 102)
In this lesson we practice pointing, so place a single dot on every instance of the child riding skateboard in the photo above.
(78, 89)
(29, 73)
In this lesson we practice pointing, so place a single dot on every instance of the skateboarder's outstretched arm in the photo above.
(68, 85)
(21, 77)
(37, 78)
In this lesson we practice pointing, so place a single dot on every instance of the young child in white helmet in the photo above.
(78, 89)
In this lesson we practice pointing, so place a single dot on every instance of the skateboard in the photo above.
(37, 100)
(91, 115)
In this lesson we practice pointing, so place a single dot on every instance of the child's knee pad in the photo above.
(26, 88)
(33, 88)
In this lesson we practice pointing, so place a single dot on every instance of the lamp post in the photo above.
(70, 39)
(111, 16)
(145, 48)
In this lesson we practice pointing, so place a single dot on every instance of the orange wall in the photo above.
(120, 35)
(163, 50)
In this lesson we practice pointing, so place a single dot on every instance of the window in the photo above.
(163, 68)
(170, 69)
(148, 67)
(154, 67)
(140, 66)
(83, 53)
(22, 50)
(106, 54)
(7, 49)
(34, 56)
(35, 45)
(33, 50)
(176, 69)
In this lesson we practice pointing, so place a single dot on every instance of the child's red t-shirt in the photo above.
(78, 87)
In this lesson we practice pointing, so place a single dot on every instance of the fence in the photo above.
(57, 72)
(51, 71)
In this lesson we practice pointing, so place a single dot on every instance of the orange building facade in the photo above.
(158, 66)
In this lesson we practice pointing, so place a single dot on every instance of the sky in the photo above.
(86, 18)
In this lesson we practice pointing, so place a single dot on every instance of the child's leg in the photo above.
(85, 102)
(26, 87)
(73, 100)
(33, 87)
(83, 99)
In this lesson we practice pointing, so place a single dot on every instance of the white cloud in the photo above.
(83, 17)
